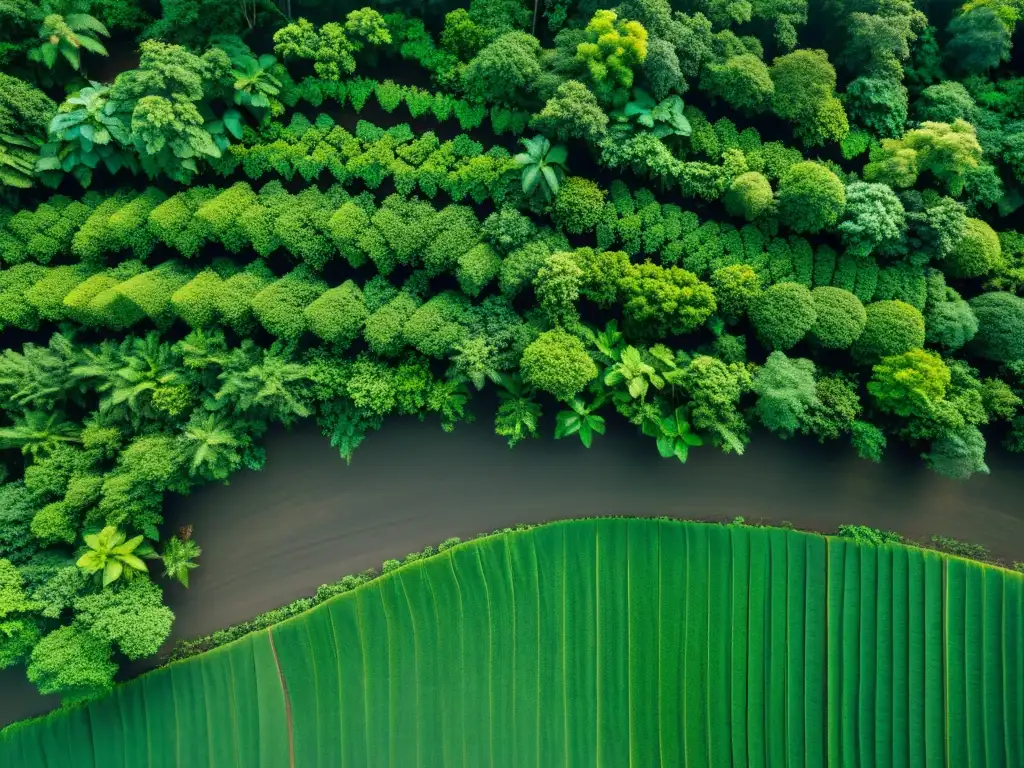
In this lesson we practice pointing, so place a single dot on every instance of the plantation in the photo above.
(705, 220)
(616, 642)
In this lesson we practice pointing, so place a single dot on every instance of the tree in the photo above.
(892, 328)
(840, 317)
(750, 196)
(976, 253)
(133, 617)
(805, 84)
(878, 104)
(109, 555)
(572, 113)
(835, 412)
(959, 454)
(979, 40)
(949, 151)
(874, 218)
(662, 69)
(505, 71)
(811, 198)
(581, 420)
(1000, 326)
(743, 82)
(578, 205)
(910, 383)
(785, 391)
(611, 51)
(945, 102)
(543, 166)
(68, 36)
(736, 287)
(558, 363)
(783, 314)
(557, 287)
(950, 324)
(74, 663)
(211, 446)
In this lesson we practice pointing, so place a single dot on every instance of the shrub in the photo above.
(476, 268)
(54, 524)
(976, 253)
(892, 328)
(337, 315)
(840, 317)
(383, 331)
(950, 324)
(909, 384)
(659, 301)
(196, 301)
(735, 287)
(811, 198)
(783, 314)
(1000, 326)
(14, 282)
(558, 363)
(578, 205)
(785, 391)
(279, 307)
(78, 302)
(221, 215)
(47, 294)
(750, 196)
(234, 300)
(145, 295)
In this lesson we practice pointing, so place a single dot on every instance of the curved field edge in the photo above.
(621, 641)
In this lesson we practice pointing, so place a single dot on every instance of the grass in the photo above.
(608, 642)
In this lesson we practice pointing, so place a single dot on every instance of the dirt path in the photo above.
(307, 519)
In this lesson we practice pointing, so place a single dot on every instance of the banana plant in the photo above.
(109, 555)
(580, 420)
(543, 166)
(676, 437)
(68, 36)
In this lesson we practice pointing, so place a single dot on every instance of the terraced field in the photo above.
(610, 642)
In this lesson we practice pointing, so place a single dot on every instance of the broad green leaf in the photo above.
(134, 562)
(112, 572)
(557, 155)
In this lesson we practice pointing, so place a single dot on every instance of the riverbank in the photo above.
(307, 519)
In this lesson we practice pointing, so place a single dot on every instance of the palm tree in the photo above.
(109, 555)
(275, 384)
(543, 166)
(67, 36)
(178, 556)
(212, 446)
(38, 433)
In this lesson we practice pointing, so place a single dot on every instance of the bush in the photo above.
(47, 294)
(840, 317)
(337, 315)
(78, 302)
(783, 314)
(811, 198)
(750, 196)
(558, 363)
(659, 301)
(279, 307)
(145, 295)
(976, 253)
(234, 300)
(476, 268)
(735, 287)
(578, 205)
(383, 331)
(196, 301)
(950, 324)
(1000, 326)
(892, 328)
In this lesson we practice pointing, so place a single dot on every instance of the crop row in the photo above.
(609, 642)
(316, 227)
(390, 95)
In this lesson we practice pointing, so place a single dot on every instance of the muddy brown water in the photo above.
(307, 518)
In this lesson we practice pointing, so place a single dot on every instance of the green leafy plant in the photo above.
(662, 119)
(631, 369)
(676, 437)
(110, 554)
(255, 85)
(84, 134)
(18, 155)
(543, 166)
(580, 420)
(178, 556)
(68, 36)
(518, 414)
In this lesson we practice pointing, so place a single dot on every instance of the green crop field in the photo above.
(609, 642)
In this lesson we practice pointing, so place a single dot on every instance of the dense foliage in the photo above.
(701, 218)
